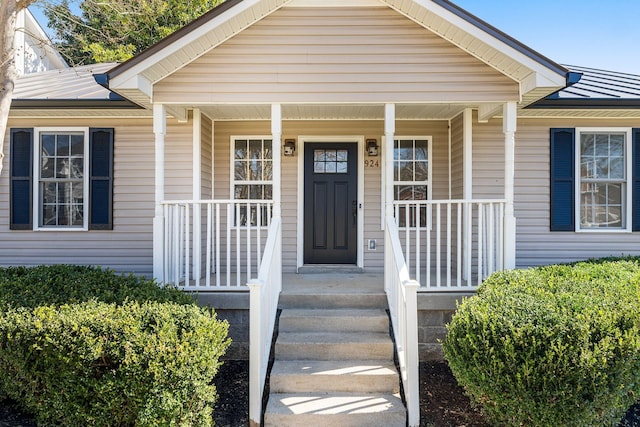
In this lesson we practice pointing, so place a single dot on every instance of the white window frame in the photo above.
(429, 140)
(36, 178)
(627, 195)
(232, 175)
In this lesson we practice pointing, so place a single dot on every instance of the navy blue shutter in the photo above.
(563, 199)
(21, 179)
(100, 179)
(635, 179)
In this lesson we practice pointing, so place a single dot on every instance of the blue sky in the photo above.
(592, 33)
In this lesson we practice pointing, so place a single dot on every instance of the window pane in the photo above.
(342, 156)
(422, 171)
(77, 145)
(255, 170)
(587, 144)
(47, 167)
(77, 166)
(267, 170)
(49, 193)
(62, 147)
(77, 217)
(422, 150)
(602, 167)
(616, 146)
(268, 192)
(318, 167)
(343, 167)
(616, 168)
(405, 150)
(255, 192)
(601, 205)
(406, 171)
(241, 149)
(255, 149)
(587, 167)
(241, 170)
(49, 215)
(330, 167)
(48, 145)
(268, 151)
(602, 145)
(330, 155)
(241, 192)
(62, 168)
(318, 155)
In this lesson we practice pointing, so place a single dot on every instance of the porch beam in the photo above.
(276, 138)
(159, 131)
(389, 138)
(509, 123)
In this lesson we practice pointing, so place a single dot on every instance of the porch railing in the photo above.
(403, 306)
(451, 245)
(214, 244)
(264, 292)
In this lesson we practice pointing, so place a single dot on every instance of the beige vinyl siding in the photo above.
(335, 55)
(128, 247)
(536, 244)
(373, 260)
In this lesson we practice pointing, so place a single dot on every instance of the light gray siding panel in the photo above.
(128, 247)
(335, 55)
(536, 244)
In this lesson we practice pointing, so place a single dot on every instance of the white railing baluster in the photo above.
(470, 241)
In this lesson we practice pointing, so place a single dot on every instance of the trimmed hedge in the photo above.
(69, 284)
(146, 357)
(551, 346)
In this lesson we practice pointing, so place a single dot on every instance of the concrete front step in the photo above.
(333, 346)
(345, 320)
(345, 410)
(319, 376)
(330, 300)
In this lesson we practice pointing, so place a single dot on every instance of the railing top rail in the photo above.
(221, 201)
(445, 201)
(396, 249)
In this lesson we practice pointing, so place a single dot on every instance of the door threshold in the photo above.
(329, 268)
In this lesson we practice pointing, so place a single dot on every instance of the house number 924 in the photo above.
(372, 163)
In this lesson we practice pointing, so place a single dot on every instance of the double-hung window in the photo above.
(61, 178)
(412, 179)
(61, 192)
(252, 178)
(603, 188)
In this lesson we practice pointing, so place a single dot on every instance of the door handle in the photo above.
(354, 211)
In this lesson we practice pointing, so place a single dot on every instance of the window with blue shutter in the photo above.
(61, 178)
(562, 179)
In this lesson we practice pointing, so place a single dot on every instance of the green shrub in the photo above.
(99, 364)
(551, 346)
(68, 284)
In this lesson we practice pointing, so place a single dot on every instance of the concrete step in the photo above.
(345, 410)
(331, 300)
(309, 320)
(362, 376)
(333, 346)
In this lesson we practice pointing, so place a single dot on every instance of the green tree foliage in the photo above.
(116, 30)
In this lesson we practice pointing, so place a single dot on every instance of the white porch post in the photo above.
(159, 130)
(467, 190)
(389, 137)
(276, 136)
(509, 122)
(197, 195)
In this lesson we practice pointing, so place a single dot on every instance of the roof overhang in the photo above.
(537, 75)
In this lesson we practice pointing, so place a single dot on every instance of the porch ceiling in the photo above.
(333, 111)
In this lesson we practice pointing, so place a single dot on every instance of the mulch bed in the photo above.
(442, 402)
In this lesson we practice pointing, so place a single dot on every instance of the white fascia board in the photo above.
(336, 3)
(197, 33)
(546, 74)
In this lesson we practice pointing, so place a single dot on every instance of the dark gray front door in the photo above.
(330, 203)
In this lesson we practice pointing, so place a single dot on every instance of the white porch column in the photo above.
(389, 138)
(467, 191)
(509, 123)
(159, 130)
(197, 194)
(276, 136)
